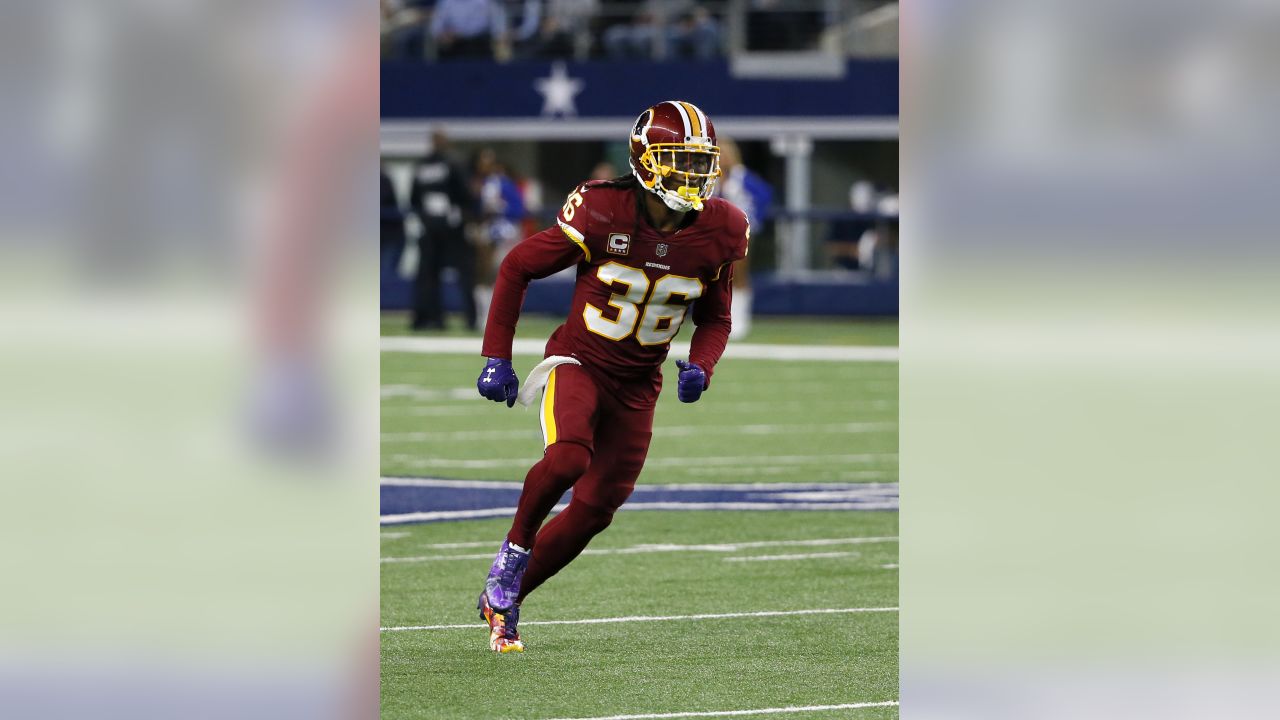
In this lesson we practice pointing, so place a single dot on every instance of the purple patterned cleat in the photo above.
(503, 636)
(497, 604)
(503, 584)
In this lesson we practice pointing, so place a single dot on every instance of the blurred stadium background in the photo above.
(540, 96)
(778, 492)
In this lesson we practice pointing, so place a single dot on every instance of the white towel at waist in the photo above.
(537, 378)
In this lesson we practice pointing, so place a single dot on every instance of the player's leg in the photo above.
(569, 409)
(621, 445)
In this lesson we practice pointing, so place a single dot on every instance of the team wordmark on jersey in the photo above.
(619, 243)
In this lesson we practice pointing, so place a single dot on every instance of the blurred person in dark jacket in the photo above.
(392, 234)
(405, 28)
(566, 29)
(849, 235)
(441, 197)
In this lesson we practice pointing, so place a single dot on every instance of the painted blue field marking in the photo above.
(415, 499)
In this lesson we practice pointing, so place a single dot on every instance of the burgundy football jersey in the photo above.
(635, 286)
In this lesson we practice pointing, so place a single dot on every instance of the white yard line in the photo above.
(652, 618)
(450, 483)
(454, 515)
(430, 410)
(790, 470)
(749, 505)
(736, 713)
(721, 406)
(672, 431)
(404, 390)
(666, 461)
(664, 548)
(890, 566)
(746, 351)
(745, 505)
(800, 556)
(397, 481)
(764, 406)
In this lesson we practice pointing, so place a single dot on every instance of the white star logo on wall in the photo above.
(558, 91)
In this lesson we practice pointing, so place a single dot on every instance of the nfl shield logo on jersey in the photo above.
(662, 249)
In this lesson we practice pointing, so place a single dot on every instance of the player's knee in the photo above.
(567, 460)
(592, 519)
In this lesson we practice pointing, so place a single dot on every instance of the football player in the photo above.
(650, 248)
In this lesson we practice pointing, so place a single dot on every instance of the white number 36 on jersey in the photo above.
(644, 307)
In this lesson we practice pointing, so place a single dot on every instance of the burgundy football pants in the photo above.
(597, 446)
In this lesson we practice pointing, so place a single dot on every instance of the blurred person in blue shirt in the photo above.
(752, 195)
(695, 37)
(501, 208)
(468, 28)
(688, 30)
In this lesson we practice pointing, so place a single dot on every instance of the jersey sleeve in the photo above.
(711, 312)
(586, 214)
(536, 257)
(574, 221)
(711, 316)
(738, 235)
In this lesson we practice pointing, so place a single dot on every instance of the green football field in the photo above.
(803, 605)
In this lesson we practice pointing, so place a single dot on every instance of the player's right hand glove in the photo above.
(498, 381)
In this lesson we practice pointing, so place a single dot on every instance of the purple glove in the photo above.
(692, 382)
(498, 381)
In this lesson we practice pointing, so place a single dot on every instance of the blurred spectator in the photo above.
(752, 195)
(566, 29)
(880, 254)
(779, 25)
(468, 28)
(696, 37)
(524, 26)
(440, 197)
(663, 29)
(404, 28)
(392, 234)
(848, 235)
(633, 40)
(501, 208)
(604, 170)
(501, 204)
(531, 197)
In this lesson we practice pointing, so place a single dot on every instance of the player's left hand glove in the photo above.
(498, 381)
(692, 382)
